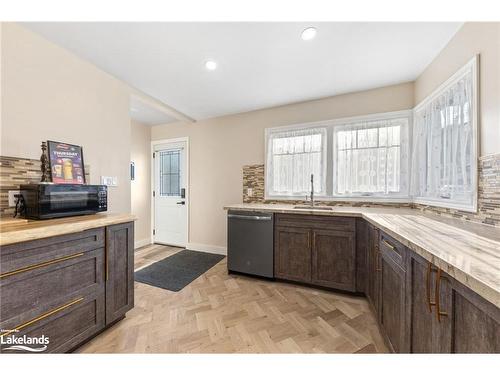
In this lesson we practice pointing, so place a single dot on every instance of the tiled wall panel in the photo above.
(488, 193)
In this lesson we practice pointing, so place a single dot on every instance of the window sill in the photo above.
(438, 203)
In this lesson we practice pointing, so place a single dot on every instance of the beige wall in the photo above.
(48, 93)
(473, 38)
(220, 147)
(140, 189)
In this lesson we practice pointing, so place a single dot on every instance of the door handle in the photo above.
(181, 202)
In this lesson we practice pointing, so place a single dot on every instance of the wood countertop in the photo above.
(21, 230)
(467, 251)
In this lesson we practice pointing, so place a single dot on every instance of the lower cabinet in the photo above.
(119, 270)
(333, 259)
(475, 323)
(67, 288)
(292, 254)
(392, 311)
(373, 269)
(321, 251)
(427, 333)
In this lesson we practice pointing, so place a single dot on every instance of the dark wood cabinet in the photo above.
(119, 270)
(334, 259)
(68, 287)
(373, 269)
(316, 250)
(475, 323)
(292, 254)
(427, 334)
(392, 303)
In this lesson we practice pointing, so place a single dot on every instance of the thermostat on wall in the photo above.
(109, 180)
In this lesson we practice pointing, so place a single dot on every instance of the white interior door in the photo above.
(170, 194)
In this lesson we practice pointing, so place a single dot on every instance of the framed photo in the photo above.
(66, 163)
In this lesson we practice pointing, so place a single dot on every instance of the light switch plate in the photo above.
(250, 192)
(12, 199)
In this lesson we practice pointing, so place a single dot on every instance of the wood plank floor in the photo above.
(221, 313)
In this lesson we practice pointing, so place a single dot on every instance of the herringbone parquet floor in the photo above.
(221, 313)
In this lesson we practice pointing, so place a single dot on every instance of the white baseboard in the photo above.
(207, 248)
(141, 243)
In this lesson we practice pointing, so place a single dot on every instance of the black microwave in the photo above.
(48, 201)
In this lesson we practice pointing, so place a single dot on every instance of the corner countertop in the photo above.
(467, 251)
(21, 230)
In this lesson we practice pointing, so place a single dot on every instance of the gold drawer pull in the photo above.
(43, 316)
(40, 265)
(389, 245)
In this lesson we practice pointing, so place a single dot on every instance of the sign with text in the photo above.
(66, 163)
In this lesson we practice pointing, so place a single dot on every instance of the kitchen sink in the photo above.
(313, 208)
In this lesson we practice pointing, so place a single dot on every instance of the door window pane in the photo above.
(170, 176)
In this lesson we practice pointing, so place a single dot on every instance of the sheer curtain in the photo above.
(370, 158)
(294, 155)
(442, 163)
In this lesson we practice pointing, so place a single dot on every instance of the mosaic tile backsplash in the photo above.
(15, 172)
(488, 194)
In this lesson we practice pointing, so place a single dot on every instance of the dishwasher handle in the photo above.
(253, 217)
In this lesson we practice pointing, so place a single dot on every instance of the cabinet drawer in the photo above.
(316, 222)
(27, 292)
(393, 249)
(32, 253)
(66, 325)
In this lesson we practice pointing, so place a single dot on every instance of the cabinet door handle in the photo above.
(106, 263)
(428, 282)
(439, 313)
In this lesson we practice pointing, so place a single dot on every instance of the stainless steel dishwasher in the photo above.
(250, 243)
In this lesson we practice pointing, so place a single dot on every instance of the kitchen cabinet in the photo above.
(474, 322)
(392, 313)
(373, 269)
(321, 251)
(292, 254)
(333, 259)
(119, 270)
(427, 333)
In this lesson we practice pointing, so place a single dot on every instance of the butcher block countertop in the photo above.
(468, 252)
(21, 230)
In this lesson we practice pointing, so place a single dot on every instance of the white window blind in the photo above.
(292, 156)
(371, 158)
(444, 159)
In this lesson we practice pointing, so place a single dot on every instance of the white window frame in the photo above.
(268, 133)
(329, 165)
(446, 203)
(405, 152)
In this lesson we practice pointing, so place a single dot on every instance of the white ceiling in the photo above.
(259, 64)
(147, 114)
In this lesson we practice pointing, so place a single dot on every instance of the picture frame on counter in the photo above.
(66, 163)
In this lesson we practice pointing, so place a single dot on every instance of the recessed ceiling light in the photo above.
(211, 65)
(309, 33)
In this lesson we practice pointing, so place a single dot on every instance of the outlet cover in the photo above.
(109, 180)
(250, 192)
(12, 198)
